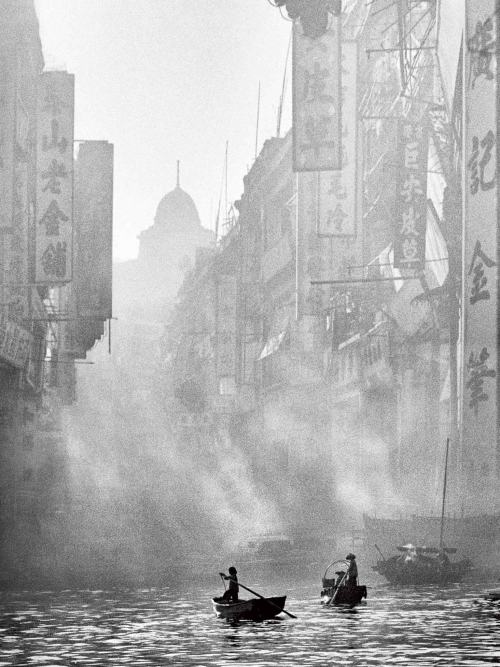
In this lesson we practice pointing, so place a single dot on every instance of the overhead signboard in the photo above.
(15, 341)
(339, 189)
(411, 195)
(94, 229)
(54, 205)
(480, 234)
(16, 249)
(317, 126)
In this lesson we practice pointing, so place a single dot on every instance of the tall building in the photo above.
(146, 286)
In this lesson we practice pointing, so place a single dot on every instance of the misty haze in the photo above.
(249, 332)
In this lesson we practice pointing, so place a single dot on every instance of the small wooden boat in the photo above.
(251, 610)
(336, 592)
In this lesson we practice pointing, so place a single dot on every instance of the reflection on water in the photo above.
(161, 627)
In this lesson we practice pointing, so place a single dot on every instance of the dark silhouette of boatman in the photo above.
(352, 572)
(231, 595)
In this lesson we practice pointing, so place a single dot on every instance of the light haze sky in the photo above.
(166, 80)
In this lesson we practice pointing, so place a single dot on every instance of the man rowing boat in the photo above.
(231, 595)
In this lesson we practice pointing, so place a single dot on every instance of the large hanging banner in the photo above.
(16, 250)
(7, 120)
(94, 229)
(337, 205)
(411, 196)
(480, 268)
(54, 206)
(317, 125)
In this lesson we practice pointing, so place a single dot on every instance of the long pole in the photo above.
(444, 494)
(283, 87)
(334, 597)
(257, 124)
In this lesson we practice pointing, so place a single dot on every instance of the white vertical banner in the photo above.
(54, 206)
(317, 106)
(338, 196)
(480, 267)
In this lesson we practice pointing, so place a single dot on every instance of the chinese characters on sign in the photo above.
(479, 281)
(411, 200)
(317, 144)
(480, 295)
(15, 342)
(478, 371)
(54, 219)
(16, 242)
(480, 162)
(339, 189)
(481, 47)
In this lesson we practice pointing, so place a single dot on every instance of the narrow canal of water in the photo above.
(164, 626)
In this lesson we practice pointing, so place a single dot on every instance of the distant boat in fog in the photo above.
(425, 565)
(422, 565)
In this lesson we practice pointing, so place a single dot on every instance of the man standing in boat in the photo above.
(352, 571)
(231, 595)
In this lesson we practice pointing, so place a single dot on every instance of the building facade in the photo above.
(343, 363)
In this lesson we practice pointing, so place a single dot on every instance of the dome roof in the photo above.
(177, 209)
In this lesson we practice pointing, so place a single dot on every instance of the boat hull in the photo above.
(346, 595)
(421, 573)
(251, 610)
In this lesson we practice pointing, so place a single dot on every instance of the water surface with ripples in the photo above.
(165, 626)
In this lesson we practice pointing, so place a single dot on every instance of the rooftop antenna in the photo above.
(283, 87)
(257, 124)
(178, 173)
(223, 183)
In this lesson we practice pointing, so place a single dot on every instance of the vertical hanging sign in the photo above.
(480, 268)
(7, 97)
(54, 206)
(339, 189)
(16, 256)
(317, 127)
(411, 196)
(94, 229)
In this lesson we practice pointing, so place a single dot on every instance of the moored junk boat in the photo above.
(260, 609)
(422, 565)
(339, 590)
(425, 565)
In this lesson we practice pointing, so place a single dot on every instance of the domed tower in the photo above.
(169, 245)
(145, 288)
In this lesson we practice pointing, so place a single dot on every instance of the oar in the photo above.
(376, 547)
(337, 589)
(262, 597)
